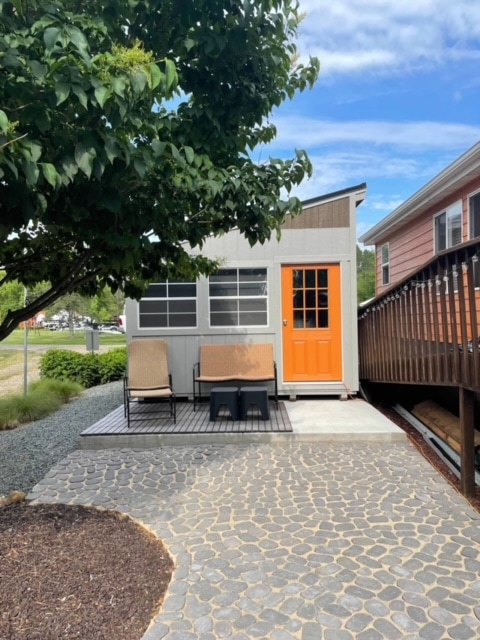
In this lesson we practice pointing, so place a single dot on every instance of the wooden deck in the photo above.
(153, 422)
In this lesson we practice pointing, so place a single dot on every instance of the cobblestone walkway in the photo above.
(309, 541)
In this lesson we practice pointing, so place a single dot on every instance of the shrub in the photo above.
(88, 369)
(113, 365)
(63, 364)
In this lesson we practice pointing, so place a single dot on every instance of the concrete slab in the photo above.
(331, 420)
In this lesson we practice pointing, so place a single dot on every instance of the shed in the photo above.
(298, 293)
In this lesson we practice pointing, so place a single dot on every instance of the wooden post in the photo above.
(467, 447)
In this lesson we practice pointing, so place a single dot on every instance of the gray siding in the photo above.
(313, 241)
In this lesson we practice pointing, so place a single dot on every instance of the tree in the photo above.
(365, 274)
(126, 134)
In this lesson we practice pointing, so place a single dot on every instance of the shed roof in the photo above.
(462, 171)
(334, 195)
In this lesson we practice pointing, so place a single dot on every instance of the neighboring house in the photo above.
(298, 293)
(442, 214)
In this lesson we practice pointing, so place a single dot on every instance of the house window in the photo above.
(169, 305)
(448, 228)
(238, 298)
(385, 263)
(474, 214)
(474, 211)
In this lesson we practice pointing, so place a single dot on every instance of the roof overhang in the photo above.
(359, 191)
(465, 169)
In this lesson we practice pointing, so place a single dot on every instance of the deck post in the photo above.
(467, 449)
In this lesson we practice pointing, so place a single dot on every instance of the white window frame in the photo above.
(237, 298)
(452, 212)
(385, 264)
(170, 301)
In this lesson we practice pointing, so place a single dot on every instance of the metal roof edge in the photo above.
(336, 194)
(426, 194)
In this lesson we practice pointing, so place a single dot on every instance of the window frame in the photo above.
(452, 211)
(169, 299)
(385, 264)
(238, 298)
(471, 196)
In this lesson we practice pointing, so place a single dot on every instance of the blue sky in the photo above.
(398, 98)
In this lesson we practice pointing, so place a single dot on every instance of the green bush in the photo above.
(43, 398)
(88, 369)
(113, 365)
(63, 364)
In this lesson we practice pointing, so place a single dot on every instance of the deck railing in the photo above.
(425, 330)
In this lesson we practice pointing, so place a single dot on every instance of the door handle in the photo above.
(285, 322)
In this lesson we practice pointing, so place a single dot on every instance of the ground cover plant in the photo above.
(43, 398)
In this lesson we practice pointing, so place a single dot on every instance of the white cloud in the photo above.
(388, 35)
(307, 133)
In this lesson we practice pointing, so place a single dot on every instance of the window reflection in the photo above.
(310, 298)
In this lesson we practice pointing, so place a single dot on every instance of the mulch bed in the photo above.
(77, 572)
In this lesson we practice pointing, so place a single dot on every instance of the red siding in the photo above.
(413, 244)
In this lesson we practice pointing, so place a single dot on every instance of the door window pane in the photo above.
(322, 275)
(310, 281)
(310, 303)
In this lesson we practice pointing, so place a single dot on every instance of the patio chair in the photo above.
(148, 379)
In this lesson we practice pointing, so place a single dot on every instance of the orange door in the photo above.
(312, 334)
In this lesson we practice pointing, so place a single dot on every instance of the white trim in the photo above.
(463, 170)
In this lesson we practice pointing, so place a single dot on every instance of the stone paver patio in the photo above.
(311, 541)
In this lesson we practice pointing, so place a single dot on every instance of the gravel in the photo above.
(28, 452)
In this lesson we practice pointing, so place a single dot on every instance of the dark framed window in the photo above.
(385, 263)
(238, 298)
(474, 224)
(169, 305)
(474, 213)
(311, 300)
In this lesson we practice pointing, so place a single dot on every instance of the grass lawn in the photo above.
(61, 338)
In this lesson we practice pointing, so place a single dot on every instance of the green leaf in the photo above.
(139, 167)
(3, 121)
(158, 147)
(138, 81)
(102, 94)
(78, 39)
(50, 173)
(62, 91)
(51, 36)
(171, 77)
(155, 76)
(189, 154)
(70, 167)
(176, 155)
(84, 158)
(112, 149)
(38, 70)
(35, 150)
(189, 43)
(32, 172)
(118, 85)
(81, 95)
